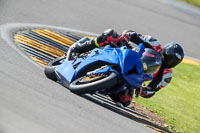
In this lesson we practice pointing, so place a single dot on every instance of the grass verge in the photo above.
(193, 2)
(179, 102)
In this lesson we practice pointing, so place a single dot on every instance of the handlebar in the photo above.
(68, 56)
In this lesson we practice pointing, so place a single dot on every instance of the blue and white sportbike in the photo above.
(102, 68)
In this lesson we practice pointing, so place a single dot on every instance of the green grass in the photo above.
(179, 102)
(193, 2)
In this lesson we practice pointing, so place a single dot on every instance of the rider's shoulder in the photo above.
(152, 41)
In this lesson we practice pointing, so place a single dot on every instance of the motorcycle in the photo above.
(99, 70)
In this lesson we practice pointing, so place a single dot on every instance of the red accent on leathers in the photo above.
(166, 71)
(105, 42)
(113, 40)
(110, 39)
(157, 48)
(150, 55)
(169, 70)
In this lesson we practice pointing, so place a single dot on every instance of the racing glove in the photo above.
(126, 35)
(132, 36)
(145, 92)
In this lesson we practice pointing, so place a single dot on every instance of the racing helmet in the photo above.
(151, 61)
(172, 54)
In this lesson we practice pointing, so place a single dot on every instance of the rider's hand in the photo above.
(145, 92)
(74, 52)
(125, 36)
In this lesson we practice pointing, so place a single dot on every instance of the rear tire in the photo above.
(93, 86)
(50, 68)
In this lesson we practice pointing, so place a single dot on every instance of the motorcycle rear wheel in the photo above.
(86, 84)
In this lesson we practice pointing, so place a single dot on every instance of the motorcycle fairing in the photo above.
(132, 68)
(66, 70)
(128, 60)
(65, 73)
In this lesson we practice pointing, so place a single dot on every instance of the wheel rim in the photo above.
(90, 78)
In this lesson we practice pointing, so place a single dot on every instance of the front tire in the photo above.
(79, 87)
(50, 68)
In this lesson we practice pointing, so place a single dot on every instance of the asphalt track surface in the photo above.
(29, 102)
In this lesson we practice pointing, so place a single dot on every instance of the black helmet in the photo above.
(172, 54)
(151, 61)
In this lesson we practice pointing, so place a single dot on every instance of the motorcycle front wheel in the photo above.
(93, 83)
(49, 69)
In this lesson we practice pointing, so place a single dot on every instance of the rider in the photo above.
(172, 54)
